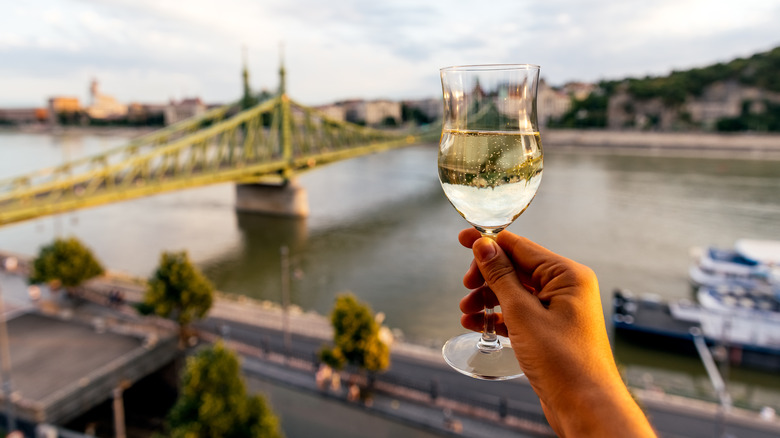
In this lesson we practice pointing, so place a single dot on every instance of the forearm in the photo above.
(601, 410)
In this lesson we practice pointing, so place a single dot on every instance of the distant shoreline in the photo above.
(113, 131)
(739, 145)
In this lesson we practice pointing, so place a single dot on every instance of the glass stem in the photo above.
(489, 340)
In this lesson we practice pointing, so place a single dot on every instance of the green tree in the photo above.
(332, 357)
(66, 262)
(415, 115)
(214, 403)
(178, 290)
(760, 70)
(355, 336)
(590, 112)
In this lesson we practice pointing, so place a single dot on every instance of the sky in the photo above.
(151, 51)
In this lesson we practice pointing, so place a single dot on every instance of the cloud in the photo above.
(356, 48)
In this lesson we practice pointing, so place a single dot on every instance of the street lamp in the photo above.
(5, 368)
(285, 262)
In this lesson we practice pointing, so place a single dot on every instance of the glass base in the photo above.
(463, 354)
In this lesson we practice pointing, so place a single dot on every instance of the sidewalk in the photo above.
(392, 402)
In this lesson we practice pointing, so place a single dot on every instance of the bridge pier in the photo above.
(286, 199)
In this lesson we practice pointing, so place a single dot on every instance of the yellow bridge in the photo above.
(270, 141)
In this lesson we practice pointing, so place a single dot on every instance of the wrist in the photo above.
(600, 408)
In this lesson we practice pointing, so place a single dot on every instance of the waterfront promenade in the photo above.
(698, 144)
(419, 389)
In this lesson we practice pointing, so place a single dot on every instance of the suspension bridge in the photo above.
(267, 143)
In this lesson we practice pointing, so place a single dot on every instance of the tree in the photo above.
(66, 262)
(590, 112)
(178, 290)
(355, 337)
(214, 402)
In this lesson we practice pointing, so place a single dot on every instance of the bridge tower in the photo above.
(287, 198)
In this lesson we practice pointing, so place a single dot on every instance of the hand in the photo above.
(552, 314)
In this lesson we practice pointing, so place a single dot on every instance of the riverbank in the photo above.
(738, 145)
(128, 132)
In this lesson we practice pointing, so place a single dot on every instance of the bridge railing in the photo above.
(136, 146)
(276, 137)
(174, 158)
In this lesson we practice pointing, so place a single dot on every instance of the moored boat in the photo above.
(763, 302)
(751, 263)
(751, 337)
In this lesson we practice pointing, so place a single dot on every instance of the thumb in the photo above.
(500, 275)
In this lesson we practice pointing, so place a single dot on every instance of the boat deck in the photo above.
(649, 321)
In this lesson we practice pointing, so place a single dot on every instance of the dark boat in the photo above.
(752, 339)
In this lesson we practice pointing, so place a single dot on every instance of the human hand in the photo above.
(551, 311)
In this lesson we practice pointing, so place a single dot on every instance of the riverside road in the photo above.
(669, 418)
(416, 372)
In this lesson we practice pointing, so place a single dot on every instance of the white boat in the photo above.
(737, 300)
(748, 318)
(752, 263)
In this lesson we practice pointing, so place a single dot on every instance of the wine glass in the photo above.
(490, 166)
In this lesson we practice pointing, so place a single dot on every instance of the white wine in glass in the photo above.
(490, 167)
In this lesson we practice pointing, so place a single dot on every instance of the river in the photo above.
(381, 228)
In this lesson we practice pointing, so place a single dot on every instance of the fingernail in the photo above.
(485, 249)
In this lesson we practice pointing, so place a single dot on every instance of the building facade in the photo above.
(23, 116)
(184, 109)
(103, 106)
(552, 103)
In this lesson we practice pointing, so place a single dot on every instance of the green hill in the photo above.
(680, 88)
(761, 70)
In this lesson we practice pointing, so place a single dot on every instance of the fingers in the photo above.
(539, 267)
(477, 300)
(468, 236)
(500, 275)
(527, 255)
(473, 278)
(476, 322)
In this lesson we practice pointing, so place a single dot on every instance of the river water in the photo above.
(381, 228)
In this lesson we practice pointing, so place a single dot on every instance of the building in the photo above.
(103, 106)
(719, 100)
(381, 112)
(578, 90)
(726, 99)
(552, 103)
(23, 116)
(432, 108)
(334, 111)
(184, 109)
(363, 112)
(64, 104)
(64, 109)
(146, 114)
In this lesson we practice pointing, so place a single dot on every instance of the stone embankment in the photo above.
(686, 143)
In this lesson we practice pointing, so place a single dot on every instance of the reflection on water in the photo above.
(685, 376)
(374, 253)
(381, 227)
(253, 267)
